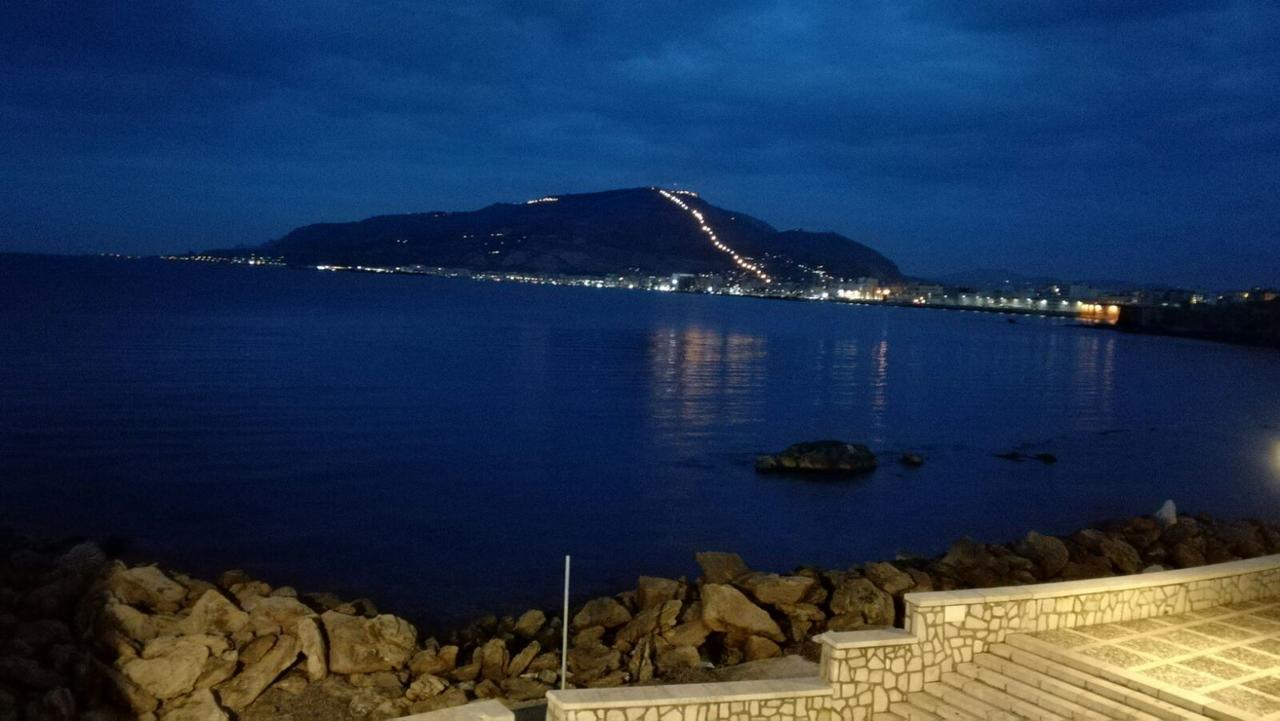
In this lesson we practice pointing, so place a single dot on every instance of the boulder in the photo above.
(275, 614)
(801, 618)
(494, 658)
(367, 645)
(604, 612)
(861, 599)
(524, 689)
(758, 648)
(691, 633)
(127, 621)
(252, 680)
(888, 578)
(214, 613)
(721, 567)
(172, 674)
(589, 663)
(26, 672)
(145, 586)
(836, 457)
(312, 645)
(773, 589)
(520, 662)
(725, 609)
(199, 706)
(653, 591)
(677, 658)
(529, 623)
(437, 662)
(424, 687)
(446, 699)
(1122, 557)
(1049, 554)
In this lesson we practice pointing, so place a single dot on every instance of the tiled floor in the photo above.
(1230, 654)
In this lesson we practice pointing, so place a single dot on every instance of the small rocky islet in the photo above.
(83, 636)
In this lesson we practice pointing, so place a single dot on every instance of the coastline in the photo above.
(81, 631)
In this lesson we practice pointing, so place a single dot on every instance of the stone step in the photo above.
(935, 705)
(956, 697)
(1058, 696)
(887, 716)
(1023, 700)
(912, 712)
(1042, 658)
(999, 700)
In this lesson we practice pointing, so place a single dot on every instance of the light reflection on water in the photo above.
(304, 425)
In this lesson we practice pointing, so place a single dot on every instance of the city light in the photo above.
(738, 259)
(545, 199)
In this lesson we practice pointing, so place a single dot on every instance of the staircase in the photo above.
(1025, 678)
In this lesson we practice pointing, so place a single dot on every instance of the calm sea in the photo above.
(439, 445)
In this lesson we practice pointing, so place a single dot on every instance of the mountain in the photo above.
(643, 231)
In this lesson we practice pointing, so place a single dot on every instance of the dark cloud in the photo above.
(1081, 138)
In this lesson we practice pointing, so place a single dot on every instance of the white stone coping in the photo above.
(867, 639)
(1094, 585)
(687, 693)
(475, 711)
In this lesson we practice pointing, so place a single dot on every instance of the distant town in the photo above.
(1248, 316)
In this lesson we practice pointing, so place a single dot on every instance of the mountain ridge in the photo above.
(627, 231)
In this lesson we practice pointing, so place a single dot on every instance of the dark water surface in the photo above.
(439, 444)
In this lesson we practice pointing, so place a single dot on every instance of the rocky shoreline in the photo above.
(83, 636)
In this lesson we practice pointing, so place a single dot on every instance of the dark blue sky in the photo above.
(1102, 138)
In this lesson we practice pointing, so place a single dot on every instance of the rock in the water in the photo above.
(913, 460)
(368, 645)
(1049, 554)
(199, 706)
(724, 609)
(820, 457)
(1167, 513)
(773, 589)
(604, 612)
(721, 567)
(861, 599)
(252, 680)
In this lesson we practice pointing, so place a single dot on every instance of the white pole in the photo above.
(564, 628)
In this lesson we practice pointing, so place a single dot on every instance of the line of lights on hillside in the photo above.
(545, 199)
(711, 235)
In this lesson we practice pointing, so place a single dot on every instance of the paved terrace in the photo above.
(1187, 645)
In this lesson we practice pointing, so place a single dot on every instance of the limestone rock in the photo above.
(311, 644)
(438, 662)
(677, 658)
(724, 608)
(424, 687)
(721, 567)
(859, 597)
(366, 645)
(275, 614)
(590, 663)
(773, 589)
(1122, 557)
(757, 648)
(888, 577)
(801, 618)
(604, 612)
(691, 633)
(524, 689)
(247, 685)
(214, 613)
(520, 662)
(199, 706)
(169, 675)
(529, 623)
(448, 699)
(127, 620)
(494, 658)
(145, 586)
(820, 457)
(1049, 554)
(654, 591)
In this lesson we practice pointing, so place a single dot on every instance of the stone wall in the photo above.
(876, 668)
(864, 671)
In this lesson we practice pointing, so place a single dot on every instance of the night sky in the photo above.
(1135, 139)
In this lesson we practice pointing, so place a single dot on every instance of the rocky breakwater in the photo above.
(828, 457)
(85, 637)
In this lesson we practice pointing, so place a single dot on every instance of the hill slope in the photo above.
(638, 230)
